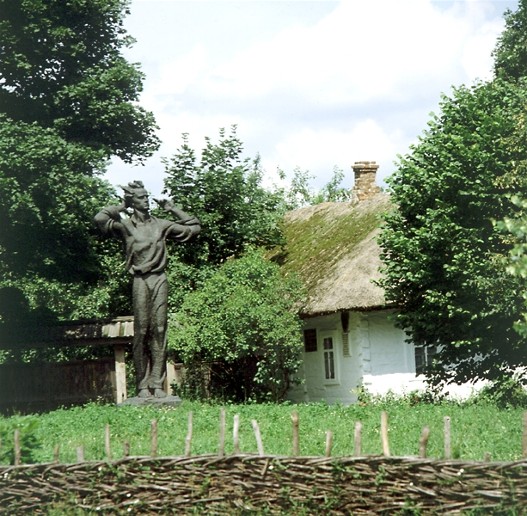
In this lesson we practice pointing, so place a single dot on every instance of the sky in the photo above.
(312, 84)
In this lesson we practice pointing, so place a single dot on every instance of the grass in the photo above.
(477, 428)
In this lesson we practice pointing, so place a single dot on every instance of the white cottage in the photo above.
(350, 340)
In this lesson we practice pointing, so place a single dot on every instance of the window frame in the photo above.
(426, 356)
(330, 356)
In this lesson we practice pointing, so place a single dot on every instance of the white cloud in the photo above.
(309, 84)
(309, 148)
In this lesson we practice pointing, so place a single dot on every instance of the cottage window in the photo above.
(424, 356)
(310, 340)
(329, 358)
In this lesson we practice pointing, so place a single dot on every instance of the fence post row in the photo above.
(384, 430)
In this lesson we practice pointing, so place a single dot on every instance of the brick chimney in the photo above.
(365, 186)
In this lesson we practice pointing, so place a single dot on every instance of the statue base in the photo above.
(168, 401)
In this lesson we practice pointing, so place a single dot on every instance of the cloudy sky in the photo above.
(311, 84)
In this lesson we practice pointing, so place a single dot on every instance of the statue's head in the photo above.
(136, 196)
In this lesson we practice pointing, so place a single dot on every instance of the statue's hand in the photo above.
(166, 204)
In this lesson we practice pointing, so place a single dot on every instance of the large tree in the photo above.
(224, 190)
(67, 104)
(445, 256)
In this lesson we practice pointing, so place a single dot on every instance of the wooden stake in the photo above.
(329, 442)
(221, 444)
(423, 442)
(447, 437)
(188, 439)
(487, 457)
(56, 453)
(107, 447)
(120, 373)
(126, 449)
(236, 433)
(80, 453)
(524, 436)
(153, 447)
(258, 437)
(358, 439)
(296, 436)
(18, 451)
(384, 434)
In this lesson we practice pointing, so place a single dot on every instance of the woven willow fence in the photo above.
(260, 483)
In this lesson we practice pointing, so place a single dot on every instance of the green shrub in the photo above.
(506, 392)
(29, 443)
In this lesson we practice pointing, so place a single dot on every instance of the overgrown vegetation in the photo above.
(68, 103)
(472, 435)
(239, 334)
(307, 238)
(446, 260)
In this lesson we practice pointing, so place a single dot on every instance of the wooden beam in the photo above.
(120, 373)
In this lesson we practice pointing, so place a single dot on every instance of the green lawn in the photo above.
(477, 428)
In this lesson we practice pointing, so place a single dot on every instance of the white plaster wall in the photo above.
(314, 386)
(381, 361)
(393, 363)
(389, 364)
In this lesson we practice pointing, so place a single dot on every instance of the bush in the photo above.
(238, 335)
(29, 443)
(506, 392)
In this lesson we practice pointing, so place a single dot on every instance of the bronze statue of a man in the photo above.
(144, 239)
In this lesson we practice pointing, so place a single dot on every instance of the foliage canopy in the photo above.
(242, 326)
(224, 190)
(445, 258)
(67, 104)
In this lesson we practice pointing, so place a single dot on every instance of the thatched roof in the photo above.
(333, 248)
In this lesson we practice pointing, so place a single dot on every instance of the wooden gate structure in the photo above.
(28, 386)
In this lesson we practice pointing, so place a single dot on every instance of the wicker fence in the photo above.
(266, 484)
(242, 484)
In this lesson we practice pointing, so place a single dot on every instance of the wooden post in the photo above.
(120, 373)
(423, 442)
(107, 447)
(358, 439)
(524, 436)
(56, 453)
(296, 436)
(80, 453)
(447, 437)
(329, 442)
(236, 433)
(170, 377)
(221, 444)
(487, 457)
(18, 451)
(153, 448)
(126, 449)
(188, 439)
(384, 434)
(258, 437)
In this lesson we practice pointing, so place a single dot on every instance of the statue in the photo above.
(144, 240)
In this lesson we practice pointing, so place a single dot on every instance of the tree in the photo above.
(444, 258)
(241, 326)
(510, 63)
(517, 266)
(224, 190)
(62, 68)
(67, 104)
(510, 54)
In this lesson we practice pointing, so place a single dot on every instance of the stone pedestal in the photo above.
(169, 401)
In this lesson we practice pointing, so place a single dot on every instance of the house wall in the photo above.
(372, 353)
(314, 386)
(388, 360)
